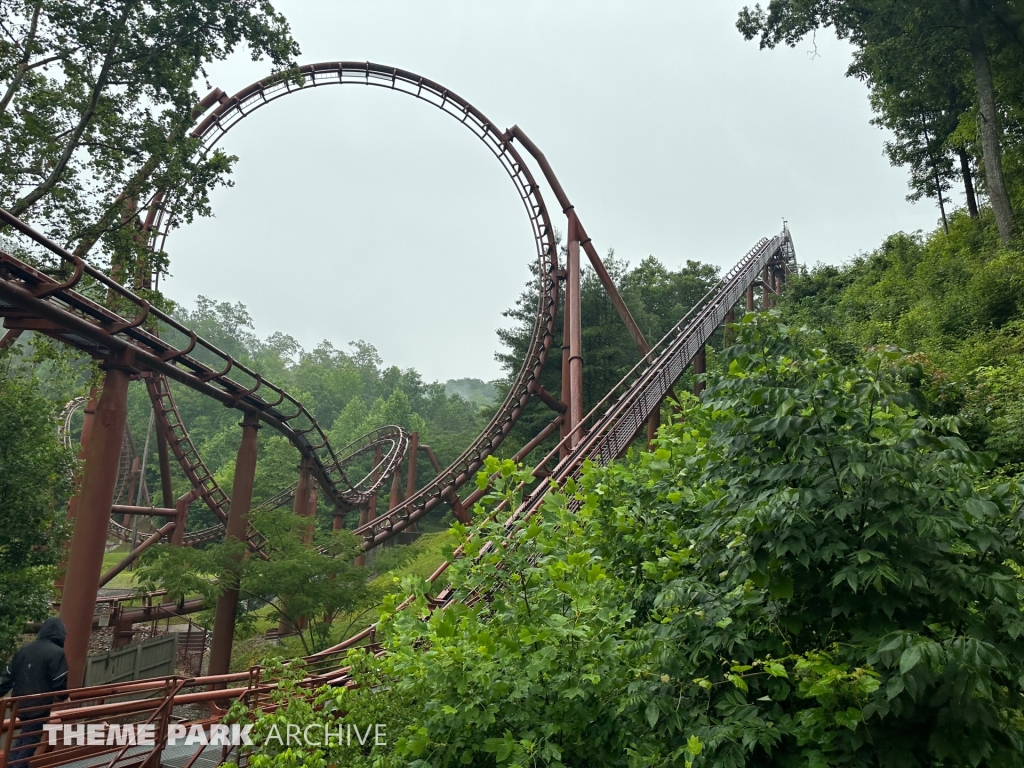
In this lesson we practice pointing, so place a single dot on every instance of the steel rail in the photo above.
(231, 110)
(235, 394)
(70, 316)
(615, 429)
(611, 434)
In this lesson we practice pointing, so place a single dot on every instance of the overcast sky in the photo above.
(362, 214)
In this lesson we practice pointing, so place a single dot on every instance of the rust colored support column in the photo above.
(545, 397)
(566, 391)
(700, 366)
(369, 512)
(653, 422)
(414, 445)
(314, 499)
(766, 282)
(83, 441)
(124, 509)
(85, 562)
(134, 554)
(238, 523)
(750, 298)
(131, 488)
(166, 486)
(181, 516)
(431, 457)
(575, 332)
(364, 518)
(778, 283)
(395, 497)
(304, 491)
(300, 505)
(727, 333)
(456, 505)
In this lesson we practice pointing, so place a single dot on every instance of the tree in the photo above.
(96, 103)
(657, 298)
(883, 30)
(297, 581)
(35, 481)
(921, 90)
(805, 571)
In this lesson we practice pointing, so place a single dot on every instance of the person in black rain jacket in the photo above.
(39, 667)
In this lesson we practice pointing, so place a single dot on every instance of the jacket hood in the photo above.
(53, 629)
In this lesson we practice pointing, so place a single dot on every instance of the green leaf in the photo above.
(694, 746)
(653, 713)
(910, 659)
(781, 589)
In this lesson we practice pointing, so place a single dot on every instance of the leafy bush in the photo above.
(805, 571)
(35, 481)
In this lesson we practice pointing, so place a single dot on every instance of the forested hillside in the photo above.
(955, 301)
(349, 392)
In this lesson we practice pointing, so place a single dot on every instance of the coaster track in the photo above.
(611, 430)
(83, 307)
(227, 112)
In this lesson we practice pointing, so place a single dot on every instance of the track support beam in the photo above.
(238, 523)
(369, 512)
(87, 420)
(700, 367)
(574, 325)
(85, 561)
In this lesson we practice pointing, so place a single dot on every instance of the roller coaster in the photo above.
(83, 307)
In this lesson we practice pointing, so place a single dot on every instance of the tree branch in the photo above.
(101, 81)
(23, 67)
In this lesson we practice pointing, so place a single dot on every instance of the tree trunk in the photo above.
(938, 179)
(965, 171)
(995, 185)
(942, 204)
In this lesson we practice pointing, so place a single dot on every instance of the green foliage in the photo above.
(35, 482)
(956, 300)
(296, 581)
(807, 570)
(657, 298)
(96, 103)
(835, 531)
